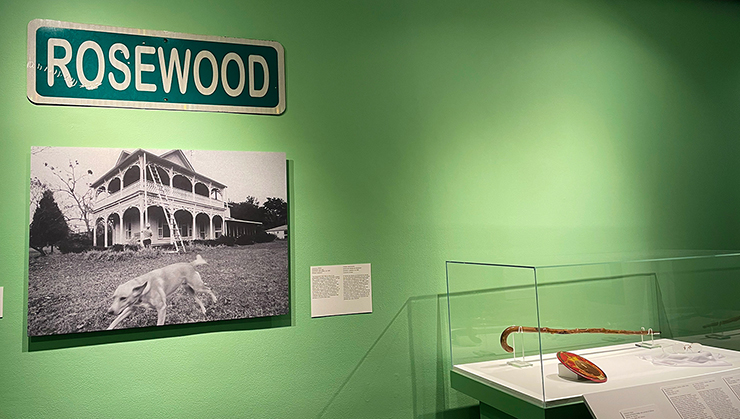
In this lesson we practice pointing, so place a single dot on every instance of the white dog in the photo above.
(151, 290)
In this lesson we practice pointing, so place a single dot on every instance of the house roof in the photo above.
(121, 157)
(178, 157)
(283, 227)
(173, 158)
(236, 220)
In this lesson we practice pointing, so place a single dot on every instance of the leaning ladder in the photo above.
(169, 214)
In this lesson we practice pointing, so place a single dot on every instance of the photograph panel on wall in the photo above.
(134, 238)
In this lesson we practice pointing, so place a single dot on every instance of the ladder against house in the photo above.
(169, 213)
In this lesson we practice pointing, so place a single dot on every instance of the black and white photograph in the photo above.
(126, 238)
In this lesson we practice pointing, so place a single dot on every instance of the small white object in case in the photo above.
(564, 372)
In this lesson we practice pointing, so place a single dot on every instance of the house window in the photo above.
(202, 231)
(185, 230)
(163, 229)
(128, 230)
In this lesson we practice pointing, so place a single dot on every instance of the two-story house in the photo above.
(144, 188)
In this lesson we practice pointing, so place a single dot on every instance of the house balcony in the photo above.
(177, 196)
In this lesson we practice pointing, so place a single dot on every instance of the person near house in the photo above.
(146, 235)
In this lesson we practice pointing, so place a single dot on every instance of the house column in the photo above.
(146, 201)
(113, 234)
(95, 233)
(194, 225)
(192, 190)
(211, 234)
(105, 232)
(117, 230)
(142, 173)
(141, 226)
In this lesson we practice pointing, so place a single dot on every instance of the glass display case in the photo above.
(629, 318)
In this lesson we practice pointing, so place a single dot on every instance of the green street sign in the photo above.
(92, 65)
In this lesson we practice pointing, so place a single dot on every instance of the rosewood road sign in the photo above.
(92, 65)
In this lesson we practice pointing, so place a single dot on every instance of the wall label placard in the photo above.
(711, 396)
(104, 66)
(341, 289)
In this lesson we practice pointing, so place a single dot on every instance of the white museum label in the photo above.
(714, 396)
(341, 289)
(642, 412)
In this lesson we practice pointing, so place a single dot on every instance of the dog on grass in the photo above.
(152, 289)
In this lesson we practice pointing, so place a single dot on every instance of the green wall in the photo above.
(417, 132)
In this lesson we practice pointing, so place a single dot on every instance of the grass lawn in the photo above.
(72, 293)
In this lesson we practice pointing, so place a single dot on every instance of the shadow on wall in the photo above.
(50, 342)
(414, 352)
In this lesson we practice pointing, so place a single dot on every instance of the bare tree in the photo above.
(75, 188)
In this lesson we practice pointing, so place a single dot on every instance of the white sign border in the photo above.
(339, 307)
(36, 98)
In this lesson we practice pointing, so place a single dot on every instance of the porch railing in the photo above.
(152, 189)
